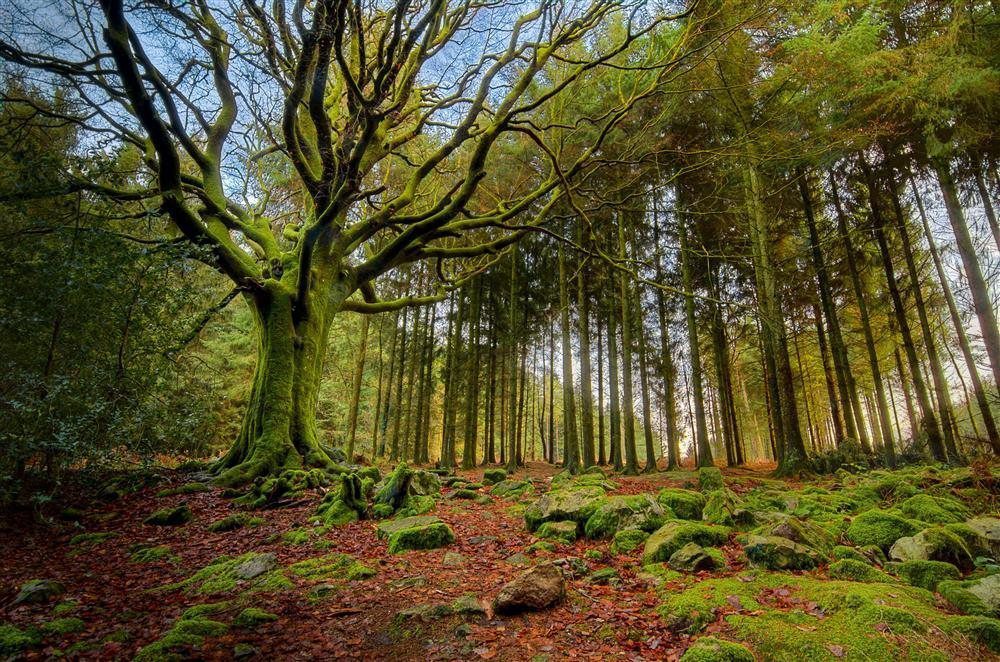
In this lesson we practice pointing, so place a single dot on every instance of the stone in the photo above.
(518, 559)
(934, 509)
(673, 535)
(481, 540)
(724, 507)
(388, 527)
(933, 544)
(692, 557)
(775, 553)
(453, 560)
(976, 597)
(640, 511)
(176, 516)
(604, 576)
(494, 476)
(429, 536)
(879, 527)
(925, 574)
(242, 651)
(685, 504)
(628, 540)
(509, 489)
(710, 649)
(561, 531)
(424, 483)
(538, 588)
(571, 503)
(988, 529)
(255, 566)
(801, 531)
(710, 478)
(38, 591)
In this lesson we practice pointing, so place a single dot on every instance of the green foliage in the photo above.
(251, 617)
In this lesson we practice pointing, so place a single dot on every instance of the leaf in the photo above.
(835, 650)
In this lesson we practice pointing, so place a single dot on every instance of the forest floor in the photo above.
(114, 601)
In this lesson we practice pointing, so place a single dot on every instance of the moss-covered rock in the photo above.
(562, 531)
(37, 591)
(858, 571)
(494, 476)
(385, 529)
(710, 649)
(879, 527)
(776, 553)
(64, 626)
(416, 505)
(152, 554)
(330, 567)
(252, 571)
(430, 536)
(540, 546)
(251, 617)
(976, 597)
(424, 483)
(685, 504)
(692, 557)
(394, 489)
(176, 516)
(511, 489)
(187, 633)
(925, 574)
(988, 529)
(800, 531)
(91, 539)
(566, 480)
(628, 540)
(463, 493)
(840, 552)
(669, 538)
(186, 488)
(724, 507)
(639, 511)
(573, 503)
(710, 479)
(934, 509)
(14, 640)
(933, 544)
(347, 503)
(234, 522)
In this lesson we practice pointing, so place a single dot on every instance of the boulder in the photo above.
(933, 544)
(710, 479)
(976, 597)
(424, 483)
(564, 531)
(925, 574)
(724, 507)
(670, 537)
(571, 503)
(494, 476)
(934, 509)
(775, 553)
(692, 557)
(801, 531)
(988, 529)
(537, 588)
(879, 527)
(39, 590)
(858, 571)
(255, 566)
(628, 540)
(428, 536)
(176, 516)
(685, 504)
(388, 527)
(710, 649)
(507, 489)
(640, 511)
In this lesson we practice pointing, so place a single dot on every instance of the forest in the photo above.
(475, 329)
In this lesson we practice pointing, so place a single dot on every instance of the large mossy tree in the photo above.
(306, 150)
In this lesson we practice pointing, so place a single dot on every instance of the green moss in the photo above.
(593, 555)
(331, 567)
(858, 571)
(925, 574)
(710, 478)
(65, 607)
(673, 535)
(189, 631)
(14, 640)
(628, 540)
(299, 536)
(639, 511)
(176, 516)
(251, 617)
(152, 554)
(540, 546)
(936, 543)
(685, 504)
(982, 630)
(710, 649)
(957, 593)
(430, 536)
(91, 539)
(234, 522)
(251, 571)
(64, 626)
(511, 489)
(416, 505)
(879, 527)
(562, 531)
(934, 509)
(842, 552)
(187, 488)
(660, 573)
(493, 476)
(570, 502)
(776, 553)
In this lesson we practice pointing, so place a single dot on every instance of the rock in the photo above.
(933, 544)
(242, 651)
(508, 489)
(561, 531)
(685, 504)
(925, 574)
(776, 553)
(424, 483)
(628, 540)
(988, 529)
(604, 576)
(710, 649)
(493, 476)
(858, 571)
(468, 605)
(481, 540)
(38, 591)
(252, 617)
(407, 582)
(976, 597)
(801, 531)
(934, 510)
(879, 527)
(710, 478)
(517, 559)
(566, 480)
(255, 566)
(724, 507)
(640, 511)
(176, 516)
(538, 588)
(692, 557)
(428, 536)
(571, 503)
(388, 527)
(463, 494)
(670, 537)
(572, 566)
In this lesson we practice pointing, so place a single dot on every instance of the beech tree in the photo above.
(306, 150)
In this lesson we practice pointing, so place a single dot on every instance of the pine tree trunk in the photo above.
(469, 445)
(569, 405)
(359, 372)
(615, 422)
(647, 417)
(702, 448)
(628, 409)
(601, 455)
(991, 214)
(586, 384)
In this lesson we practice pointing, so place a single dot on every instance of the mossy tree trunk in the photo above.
(279, 427)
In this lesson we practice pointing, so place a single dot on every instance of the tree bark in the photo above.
(569, 405)
(631, 454)
(359, 372)
(704, 451)
(586, 385)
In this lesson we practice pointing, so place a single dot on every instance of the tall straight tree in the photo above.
(570, 442)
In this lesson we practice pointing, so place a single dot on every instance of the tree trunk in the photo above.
(569, 405)
(601, 455)
(615, 422)
(631, 455)
(647, 417)
(586, 385)
(279, 427)
(991, 214)
(703, 450)
(359, 372)
(469, 445)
